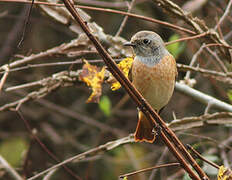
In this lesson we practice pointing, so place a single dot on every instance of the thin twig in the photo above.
(26, 24)
(9, 169)
(108, 4)
(198, 25)
(203, 98)
(160, 160)
(182, 67)
(199, 156)
(80, 117)
(49, 174)
(43, 146)
(187, 38)
(140, 101)
(112, 11)
(90, 153)
(65, 48)
(3, 80)
(125, 18)
(220, 62)
(65, 78)
(149, 169)
(227, 11)
(219, 118)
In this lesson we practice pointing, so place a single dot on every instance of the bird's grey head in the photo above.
(148, 47)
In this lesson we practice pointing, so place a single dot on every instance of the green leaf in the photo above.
(176, 48)
(229, 94)
(13, 150)
(105, 105)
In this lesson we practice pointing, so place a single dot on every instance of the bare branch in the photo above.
(3, 79)
(203, 98)
(125, 18)
(224, 15)
(90, 153)
(198, 25)
(168, 137)
(9, 169)
(192, 122)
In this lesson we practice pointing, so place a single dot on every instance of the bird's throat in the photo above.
(149, 60)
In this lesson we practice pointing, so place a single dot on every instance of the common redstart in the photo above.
(153, 73)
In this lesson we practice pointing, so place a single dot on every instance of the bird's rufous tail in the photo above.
(144, 130)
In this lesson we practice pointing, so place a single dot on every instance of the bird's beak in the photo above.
(129, 44)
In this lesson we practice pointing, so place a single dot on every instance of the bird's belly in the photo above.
(156, 83)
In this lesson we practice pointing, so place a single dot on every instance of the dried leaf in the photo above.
(93, 76)
(125, 66)
(224, 173)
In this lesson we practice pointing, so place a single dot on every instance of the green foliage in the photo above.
(229, 94)
(176, 48)
(13, 150)
(105, 105)
(186, 177)
(208, 169)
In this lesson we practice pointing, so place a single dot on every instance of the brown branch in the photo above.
(192, 122)
(198, 25)
(61, 79)
(224, 15)
(225, 77)
(65, 78)
(123, 23)
(112, 11)
(140, 101)
(43, 146)
(187, 38)
(68, 49)
(90, 153)
(199, 156)
(149, 169)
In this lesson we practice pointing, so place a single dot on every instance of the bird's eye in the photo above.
(146, 41)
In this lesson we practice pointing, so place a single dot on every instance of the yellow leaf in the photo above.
(93, 76)
(125, 66)
(224, 174)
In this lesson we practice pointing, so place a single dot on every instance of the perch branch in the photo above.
(140, 101)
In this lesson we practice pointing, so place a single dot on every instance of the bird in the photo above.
(153, 73)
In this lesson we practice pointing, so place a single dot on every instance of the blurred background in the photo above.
(67, 125)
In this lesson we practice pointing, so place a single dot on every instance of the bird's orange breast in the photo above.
(155, 83)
